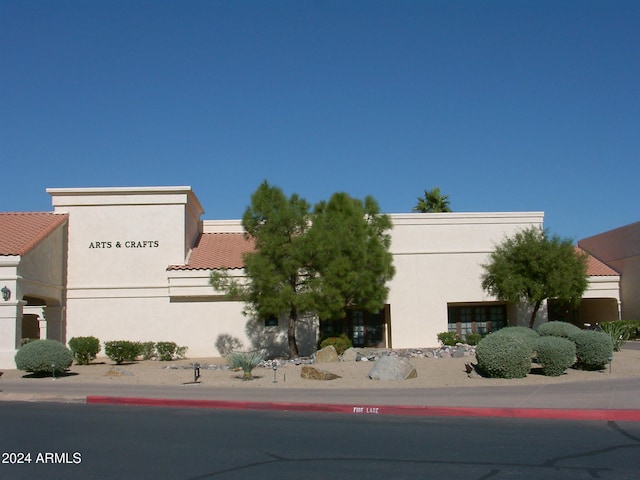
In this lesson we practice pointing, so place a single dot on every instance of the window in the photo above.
(483, 319)
(358, 328)
(364, 329)
(271, 321)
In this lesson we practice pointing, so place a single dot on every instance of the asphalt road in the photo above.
(105, 442)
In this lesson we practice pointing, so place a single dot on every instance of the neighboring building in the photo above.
(600, 303)
(134, 263)
(620, 249)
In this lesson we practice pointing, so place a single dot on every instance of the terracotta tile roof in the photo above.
(596, 268)
(21, 231)
(217, 250)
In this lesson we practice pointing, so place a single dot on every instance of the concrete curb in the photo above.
(427, 411)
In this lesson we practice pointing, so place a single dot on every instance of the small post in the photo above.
(610, 363)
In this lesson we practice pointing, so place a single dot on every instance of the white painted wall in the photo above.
(438, 259)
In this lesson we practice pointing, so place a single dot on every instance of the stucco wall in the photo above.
(620, 248)
(43, 268)
(438, 259)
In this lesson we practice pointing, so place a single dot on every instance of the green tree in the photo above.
(277, 272)
(533, 266)
(432, 202)
(311, 263)
(349, 250)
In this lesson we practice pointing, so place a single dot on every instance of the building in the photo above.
(134, 264)
(620, 249)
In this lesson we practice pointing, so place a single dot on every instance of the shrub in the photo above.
(555, 354)
(246, 361)
(593, 349)
(147, 350)
(504, 356)
(472, 338)
(633, 328)
(84, 349)
(618, 331)
(43, 356)
(525, 334)
(120, 351)
(558, 329)
(167, 351)
(449, 338)
(341, 343)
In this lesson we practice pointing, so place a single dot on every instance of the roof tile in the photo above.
(596, 268)
(21, 231)
(218, 250)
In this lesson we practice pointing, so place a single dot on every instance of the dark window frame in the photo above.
(484, 318)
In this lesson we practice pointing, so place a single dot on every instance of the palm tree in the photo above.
(433, 202)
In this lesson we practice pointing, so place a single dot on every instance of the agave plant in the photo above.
(246, 361)
(618, 332)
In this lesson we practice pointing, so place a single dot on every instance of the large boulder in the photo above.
(390, 367)
(350, 355)
(312, 373)
(327, 354)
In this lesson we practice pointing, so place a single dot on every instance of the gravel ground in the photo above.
(432, 372)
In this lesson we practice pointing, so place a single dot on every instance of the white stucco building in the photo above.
(134, 264)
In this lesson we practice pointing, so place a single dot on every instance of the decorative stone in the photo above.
(458, 352)
(350, 355)
(327, 354)
(390, 367)
(312, 373)
(471, 370)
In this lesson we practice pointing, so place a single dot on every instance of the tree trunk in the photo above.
(536, 307)
(291, 334)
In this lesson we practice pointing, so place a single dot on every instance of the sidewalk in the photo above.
(609, 400)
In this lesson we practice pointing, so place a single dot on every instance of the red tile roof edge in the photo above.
(60, 219)
(597, 268)
(215, 251)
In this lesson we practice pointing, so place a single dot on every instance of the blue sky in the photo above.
(504, 105)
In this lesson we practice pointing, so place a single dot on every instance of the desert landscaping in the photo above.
(431, 372)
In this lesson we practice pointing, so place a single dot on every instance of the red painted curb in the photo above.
(541, 413)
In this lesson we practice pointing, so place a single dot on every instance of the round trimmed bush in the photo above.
(120, 351)
(84, 349)
(341, 343)
(524, 333)
(593, 349)
(472, 338)
(449, 338)
(504, 356)
(43, 356)
(558, 329)
(555, 354)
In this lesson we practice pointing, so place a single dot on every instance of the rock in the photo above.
(350, 355)
(312, 373)
(471, 370)
(327, 354)
(389, 367)
(458, 352)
